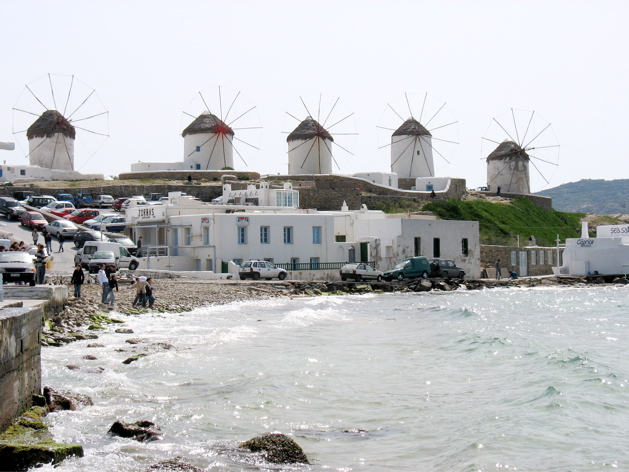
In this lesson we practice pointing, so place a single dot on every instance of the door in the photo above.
(364, 252)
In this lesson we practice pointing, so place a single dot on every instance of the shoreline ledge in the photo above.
(83, 318)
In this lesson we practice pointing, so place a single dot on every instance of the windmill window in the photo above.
(198, 148)
(22, 171)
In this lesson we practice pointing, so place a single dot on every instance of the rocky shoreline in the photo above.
(84, 317)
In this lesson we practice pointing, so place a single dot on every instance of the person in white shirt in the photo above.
(104, 281)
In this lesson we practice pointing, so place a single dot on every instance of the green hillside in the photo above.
(603, 197)
(501, 223)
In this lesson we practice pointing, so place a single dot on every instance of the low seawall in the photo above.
(20, 360)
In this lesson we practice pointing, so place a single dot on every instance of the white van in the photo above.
(124, 260)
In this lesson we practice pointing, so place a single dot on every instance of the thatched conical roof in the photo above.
(49, 123)
(507, 150)
(411, 127)
(308, 129)
(207, 123)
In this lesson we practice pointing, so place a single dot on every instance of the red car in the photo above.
(118, 203)
(33, 219)
(80, 216)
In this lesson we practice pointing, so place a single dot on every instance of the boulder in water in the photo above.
(277, 448)
(140, 430)
(65, 400)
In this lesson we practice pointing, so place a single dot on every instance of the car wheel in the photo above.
(379, 278)
(400, 276)
(445, 275)
(242, 277)
(424, 275)
(133, 265)
(32, 283)
(343, 279)
(282, 276)
(256, 276)
(461, 275)
(359, 278)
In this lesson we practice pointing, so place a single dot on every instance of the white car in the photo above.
(103, 201)
(360, 271)
(261, 269)
(67, 228)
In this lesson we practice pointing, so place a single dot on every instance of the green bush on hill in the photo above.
(502, 223)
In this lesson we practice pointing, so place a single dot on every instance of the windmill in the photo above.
(311, 143)
(66, 111)
(514, 142)
(415, 129)
(210, 140)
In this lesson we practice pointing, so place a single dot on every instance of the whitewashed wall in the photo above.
(414, 160)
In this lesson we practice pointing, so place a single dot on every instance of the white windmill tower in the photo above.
(209, 140)
(309, 139)
(310, 144)
(412, 143)
(52, 136)
(208, 143)
(524, 140)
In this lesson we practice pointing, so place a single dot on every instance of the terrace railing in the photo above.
(314, 265)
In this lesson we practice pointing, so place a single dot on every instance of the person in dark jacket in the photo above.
(113, 284)
(61, 240)
(40, 264)
(78, 278)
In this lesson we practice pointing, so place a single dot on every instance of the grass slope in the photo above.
(502, 223)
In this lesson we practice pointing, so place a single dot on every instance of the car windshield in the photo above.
(103, 255)
(401, 265)
(12, 204)
(15, 256)
(36, 216)
(76, 213)
(124, 241)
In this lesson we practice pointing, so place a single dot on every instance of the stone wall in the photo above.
(20, 361)
(490, 254)
(210, 175)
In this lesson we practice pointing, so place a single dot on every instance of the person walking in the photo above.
(35, 235)
(498, 269)
(111, 296)
(149, 297)
(40, 264)
(104, 282)
(78, 278)
(139, 245)
(61, 239)
(48, 241)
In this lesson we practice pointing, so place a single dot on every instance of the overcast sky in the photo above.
(148, 61)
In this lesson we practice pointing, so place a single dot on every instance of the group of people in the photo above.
(15, 246)
(143, 292)
(48, 239)
(108, 280)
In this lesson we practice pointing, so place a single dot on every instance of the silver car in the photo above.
(360, 271)
(67, 228)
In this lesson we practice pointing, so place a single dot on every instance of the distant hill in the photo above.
(603, 197)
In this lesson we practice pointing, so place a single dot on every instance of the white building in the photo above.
(188, 235)
(262, 195)
(411, 150)
(608, 253)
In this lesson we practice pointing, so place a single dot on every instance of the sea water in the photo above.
(502, 379)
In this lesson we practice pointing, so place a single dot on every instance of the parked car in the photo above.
(8, 208)
(445, 269)
(83, 200)
(134, 201)
(360, 271)
(66, 197)
(79, 216)
(102, 201)
(409, 268)
(261, 269)
(123, 258)
(33, 219)
(115, 224)
(39, 201)
(65, 227)
(154, 197)
(81, 237)
(59, 208)
(94, 223)
(17, 266)
(128, 244)
(22, 194)
(99, 258)
(118, 203)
